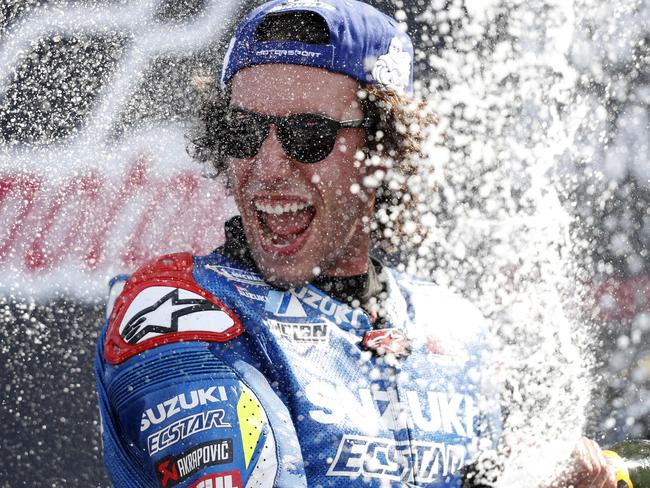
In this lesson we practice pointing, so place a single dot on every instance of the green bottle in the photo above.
(632, 459)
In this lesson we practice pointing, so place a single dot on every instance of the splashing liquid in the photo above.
(499, 233)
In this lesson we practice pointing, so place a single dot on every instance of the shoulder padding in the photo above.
(162, 303)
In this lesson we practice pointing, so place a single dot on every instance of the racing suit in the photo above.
(208, 377)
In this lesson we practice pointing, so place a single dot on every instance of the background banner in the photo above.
(97, 100)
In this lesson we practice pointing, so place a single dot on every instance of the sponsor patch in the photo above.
(305, 332)
(160, 304)
(181, 402)
(163, 309)
(227, 479)
(393, 69)
(284, 304)
(288, 52)
(441, 412)
(175, 469)
(184, 428)
(386, 341)
(340, 312)
(238, 275)
(245, 292)
(386, 459)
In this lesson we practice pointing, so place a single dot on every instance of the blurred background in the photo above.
(96, 99)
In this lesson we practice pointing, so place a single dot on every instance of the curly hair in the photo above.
(395, 147)
(401, 128)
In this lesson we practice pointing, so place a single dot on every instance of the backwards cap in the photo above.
(363, 43)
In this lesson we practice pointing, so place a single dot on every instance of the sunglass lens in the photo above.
(244, 134)
(308, 138)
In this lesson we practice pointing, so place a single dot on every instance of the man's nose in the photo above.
(273, 163)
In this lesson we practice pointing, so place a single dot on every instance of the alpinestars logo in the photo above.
(162, 310)
(387, 341)
(172, 308)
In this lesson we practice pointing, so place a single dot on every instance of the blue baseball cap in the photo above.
(363, 43)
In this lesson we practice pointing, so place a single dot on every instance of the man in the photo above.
(288, 357)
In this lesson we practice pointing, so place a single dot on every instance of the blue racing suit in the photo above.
(208, 377)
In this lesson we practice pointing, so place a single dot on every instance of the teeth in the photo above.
(280, 209)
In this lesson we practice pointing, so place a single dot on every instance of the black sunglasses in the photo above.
(307, 138)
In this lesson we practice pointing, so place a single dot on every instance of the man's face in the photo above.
(300, 219)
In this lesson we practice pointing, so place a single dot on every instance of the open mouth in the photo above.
(284, 224)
